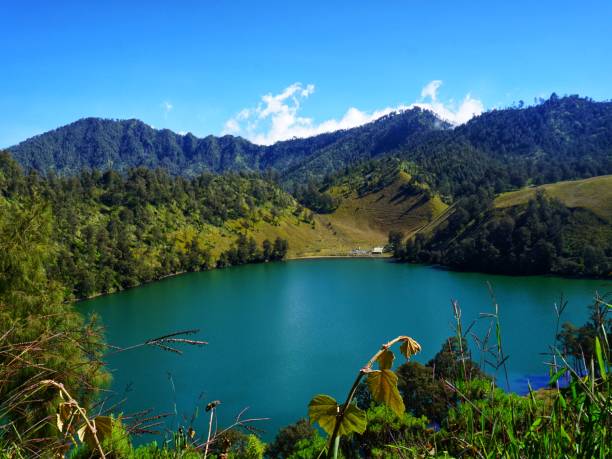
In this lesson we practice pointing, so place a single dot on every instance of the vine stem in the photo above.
(335, 438)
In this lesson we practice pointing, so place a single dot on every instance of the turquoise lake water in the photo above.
(280, 333)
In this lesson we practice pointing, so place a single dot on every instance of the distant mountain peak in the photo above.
(556, 125)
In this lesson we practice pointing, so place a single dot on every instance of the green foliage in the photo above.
(581, 343)
(324, 410)
(383, 387)
(287, 439)
(114, 439)
(112, 232)
(309, 448)
(531, 239)
(311, 197)
(478, 419)
(423, 393)
(560, 139)
(245, 250)
(41, 336)
(343, 420)
(385, 430)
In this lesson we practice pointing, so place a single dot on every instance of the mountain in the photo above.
(560, 139)
(94, 143)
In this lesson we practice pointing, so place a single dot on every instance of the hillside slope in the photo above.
(563, 228)
(560, 139)
(593, 194)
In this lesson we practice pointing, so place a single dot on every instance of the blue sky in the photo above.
(204, 67)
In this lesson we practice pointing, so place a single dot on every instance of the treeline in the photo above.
(113, 231)
(245, 250)
(541, 237)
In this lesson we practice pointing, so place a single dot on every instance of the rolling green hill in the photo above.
(362, 220)
(563, 227)
(593, 194)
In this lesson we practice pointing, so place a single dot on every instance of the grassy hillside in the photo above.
(563, 228)
(361, 220)
(594, 194)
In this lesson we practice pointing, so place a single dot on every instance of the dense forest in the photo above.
(94, 143)
(113, 231)
(561, 138)
(536, 238)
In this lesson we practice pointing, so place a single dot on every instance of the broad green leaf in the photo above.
(600, 360)
(385, 360)
(355, 420)
(409, 347)
(383, 387)
(324, 410)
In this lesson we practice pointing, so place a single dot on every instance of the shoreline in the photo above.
(167, 276)
(346, 257)
(324, 257)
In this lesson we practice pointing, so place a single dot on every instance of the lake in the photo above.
(280, 333)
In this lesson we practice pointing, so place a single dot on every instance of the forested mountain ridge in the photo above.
(95, 143)
(102, 144)
(560, 139)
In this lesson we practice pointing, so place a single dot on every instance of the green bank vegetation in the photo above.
(110, 231)
(551, 229)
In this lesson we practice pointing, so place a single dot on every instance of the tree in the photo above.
(423, 393)
(396, 239)
(287, 439)
(266, 250)
(280, 248)
(33, 310)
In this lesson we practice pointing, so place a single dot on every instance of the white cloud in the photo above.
(277, 116)
(167, 106)
(431, 89)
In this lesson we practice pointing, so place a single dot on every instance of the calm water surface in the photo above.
(281, 332)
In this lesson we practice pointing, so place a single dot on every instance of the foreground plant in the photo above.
(337, 420)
